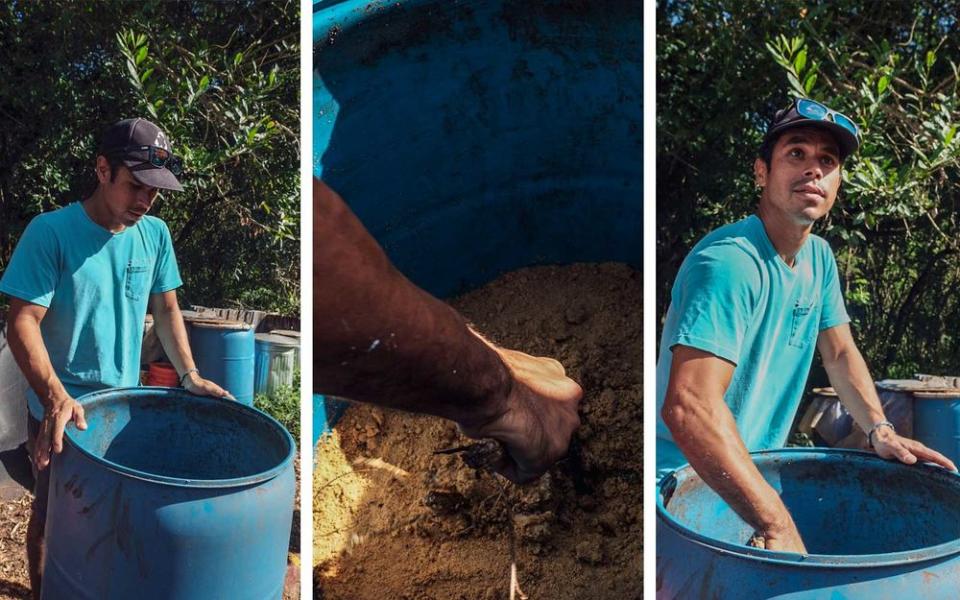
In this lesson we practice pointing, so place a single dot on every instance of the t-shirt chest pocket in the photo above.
(803, 323)
(137, 279)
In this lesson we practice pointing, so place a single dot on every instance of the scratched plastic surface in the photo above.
(475, 138)
(873, 529)
(171, 496)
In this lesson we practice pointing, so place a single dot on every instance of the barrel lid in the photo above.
(827, 391)
(948, 394)
(213, 323)
(286, 332)
(277, 340)
(906, 385)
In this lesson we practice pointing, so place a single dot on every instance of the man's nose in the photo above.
(814, 170)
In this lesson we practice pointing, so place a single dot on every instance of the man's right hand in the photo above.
(784, 538)
(539, 417)
(61, 411)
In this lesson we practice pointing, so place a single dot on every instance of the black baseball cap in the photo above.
(123, 135)
(804, 112)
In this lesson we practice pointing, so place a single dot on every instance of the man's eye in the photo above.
(796, 152)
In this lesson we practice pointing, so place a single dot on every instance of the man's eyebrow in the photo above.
(802, 139)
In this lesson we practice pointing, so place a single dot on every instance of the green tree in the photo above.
(221, 78)
(723, 70)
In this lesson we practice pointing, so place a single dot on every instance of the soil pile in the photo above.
(394, 520)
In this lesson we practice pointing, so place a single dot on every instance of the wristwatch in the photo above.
(877, 426)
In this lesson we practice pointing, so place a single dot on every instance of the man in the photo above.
(749, 303)
(379, 338)
(80, 281)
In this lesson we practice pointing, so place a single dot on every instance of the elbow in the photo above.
(678, 411)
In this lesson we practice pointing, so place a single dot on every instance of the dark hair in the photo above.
(114, 162)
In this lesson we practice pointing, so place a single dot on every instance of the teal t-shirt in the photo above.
(95, 286)
(734, 297)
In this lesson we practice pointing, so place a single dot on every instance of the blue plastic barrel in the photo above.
(875, 530)
(225, 354)
(475, 138)
(936, 421)
(169, 496)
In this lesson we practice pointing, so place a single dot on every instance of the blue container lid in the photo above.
(169, 436)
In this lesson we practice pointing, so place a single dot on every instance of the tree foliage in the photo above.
(723, 68)
(222, 79)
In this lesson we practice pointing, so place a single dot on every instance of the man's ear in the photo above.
(103, 169)
(760, 173)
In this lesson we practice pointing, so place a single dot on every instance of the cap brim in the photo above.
(152, 176)
(847, 141)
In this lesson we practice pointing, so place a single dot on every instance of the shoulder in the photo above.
(154, 228)
(51, 223)
(727, 254)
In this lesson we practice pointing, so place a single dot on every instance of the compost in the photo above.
(392, 519)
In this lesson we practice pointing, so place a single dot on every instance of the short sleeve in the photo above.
(834, 310)
(33, 272)
(166, 275)
(715, 297)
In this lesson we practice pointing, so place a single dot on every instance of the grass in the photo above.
(283, 405)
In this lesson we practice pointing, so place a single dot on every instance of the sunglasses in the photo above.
(156, 156)
(812, 109)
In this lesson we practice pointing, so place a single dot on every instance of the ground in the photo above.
(391, 517)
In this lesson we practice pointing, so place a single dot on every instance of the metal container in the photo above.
(169, 496)
(326, 411)
(936, 421)
(224, 352)
(276, 360)
(875, 530)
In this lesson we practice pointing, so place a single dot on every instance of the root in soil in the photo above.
(444, 531)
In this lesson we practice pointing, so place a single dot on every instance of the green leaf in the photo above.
(272, 79)
(950, 135)
(141, 55)
(204, 83)
(237, 58)
(146, 74)
(883, 83)
(931, 58)
(809, 82)
(800, 61)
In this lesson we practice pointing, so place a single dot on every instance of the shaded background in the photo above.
(724, 68)
(222, 79)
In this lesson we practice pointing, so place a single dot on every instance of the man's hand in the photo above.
(198, 386)
(889, 445)
(784, 538)
(55, 418)
(539, 419)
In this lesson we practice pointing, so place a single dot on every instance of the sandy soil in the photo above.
(394, 520)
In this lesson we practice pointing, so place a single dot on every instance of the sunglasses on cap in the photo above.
(811, 109)
(155, 155)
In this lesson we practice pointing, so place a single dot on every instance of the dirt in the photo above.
(14, 581)
(394, 520)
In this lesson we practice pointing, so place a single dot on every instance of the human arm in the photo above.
(379, 338)
(704, 429)
(59, 408)
(172, 333)
(851, 379)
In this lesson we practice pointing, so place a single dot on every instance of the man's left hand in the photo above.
(198, 386)
(889, 445)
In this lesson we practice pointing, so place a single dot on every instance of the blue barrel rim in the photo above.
(829, 561)
(141, 391)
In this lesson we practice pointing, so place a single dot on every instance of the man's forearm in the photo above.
(706, 433)
(850, 377)
(31, 355)
(171, 331)
(379, 338)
